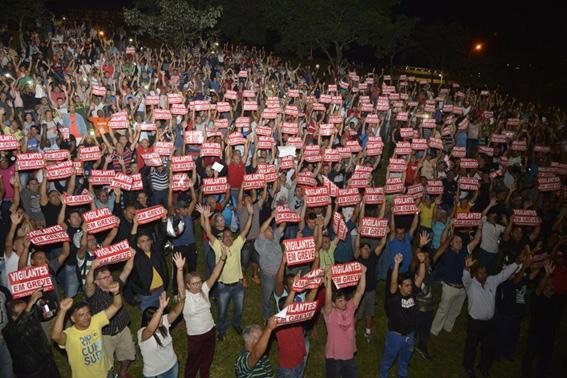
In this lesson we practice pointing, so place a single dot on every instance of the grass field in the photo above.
(446, 349)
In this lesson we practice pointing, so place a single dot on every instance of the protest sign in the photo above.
(374, 227)
(217, 185)
(48, 235)
(89, 153)
(299, 251)
(114, 253)
(345, 275)
(339, 226)
(29, 161)
(296, 312)
(253, 181)
(311, 280)
(285, 214)
(404, 204)
(25, 281)
(99, 220)
(467, 220)
(374, 196)
(59, 171)
(348, 197)
(151, 214)
(317, 196)
(525, 217)
(182, 163)
(8, 143)
(78, 200)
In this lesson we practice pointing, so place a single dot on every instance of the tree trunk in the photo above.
(338, 55)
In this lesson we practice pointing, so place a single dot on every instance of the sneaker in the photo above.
(237, 329)
(245, 283)
(424, 353)
(256, 279)
(220, 337)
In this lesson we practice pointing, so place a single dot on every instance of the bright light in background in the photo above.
(130, 39)
(101, 33)
(478, 47)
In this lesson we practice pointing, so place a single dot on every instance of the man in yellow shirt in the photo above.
(229, 286)
(83, 340)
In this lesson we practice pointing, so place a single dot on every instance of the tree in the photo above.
(252, 30)
(399, 39)
(175, 22)
(332, 26)
(18, 11)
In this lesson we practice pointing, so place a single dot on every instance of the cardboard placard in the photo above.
(419, 144)
(99, 220)
(435, 143)
(306, 178)
(374, 227)
(151, 100)
(144, 126)
(403, 148)
(180, 182)
(286, 162)
(137, 183)
(25, 281)
(231, 95)
(285, 214)
(327, 129)
(215, 185)
(269, 172)
(345, 275)
(98, 90)
(99, 177)
(295, 142)
(48, 235)
(549, 184)
(468, 163)
(236, 139)
(317, 196)
(174, 98)
(89, 153)
(525, 217)
(404, 204)
(339, 226)
(164, 148)
(59, 171)
(220, 123)
(211, 149)
(56, 155)
(397, 165)
(151, 214)
(467, 220)
(299, 251)
(374, 196)
(253, 181)
(29, 161)
(353, 146)
(296, 312)
(265, 143)
(114, 253)
(519, 145)
(311, 280)
(488, 151)
(122, 181)
(459, 152)
(78, 200)
(8, 143)
(162, 114)
(348, 197)
(415, 190)
(435, 187)
(152, 159)
(182, 163)
(394, 185)
(469, 184)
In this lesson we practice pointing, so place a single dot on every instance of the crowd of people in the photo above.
(124, 166)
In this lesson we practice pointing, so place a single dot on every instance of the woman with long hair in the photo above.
(201, 330)
(154, 338)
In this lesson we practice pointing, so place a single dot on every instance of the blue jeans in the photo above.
(159, 198)
(171, 373)
(72, 283)
(293, 372)
(268, 284)
(151, 300)
(209, 259)
(224, 294)
(396, 346)
(5, 361)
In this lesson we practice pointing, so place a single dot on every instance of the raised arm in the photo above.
(394, 278)
(418, 280)
(262, 344)
(111, 310)
(476, 240)
(89, 280)
(156, 318)
(218, 267)
(248, 223)
(57, 333)
(360, 288)
(328, 292)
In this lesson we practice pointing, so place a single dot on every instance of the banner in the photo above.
(374, 196)
(25, 281)
(182, 163)
(404, 204)
(285, 214)
(151, 214)
(467, 220)
(29, 161)
(99, 220)
(81, 199)
(296, 312)
(345, 275)
(89, 153)
(217, 185)
(253, 181)
(48, 235)
(299, 251)
(339, 226)
(374, 227)
(525, 217)
(317, 196)
(348, 197)
(311, 280)
(59, 171)
(114, 253)
(99, 177)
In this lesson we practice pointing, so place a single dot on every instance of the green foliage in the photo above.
(175, 22)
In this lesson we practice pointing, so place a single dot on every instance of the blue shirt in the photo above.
(404, 247)
(437, 229)
(187, 237)
(450, 266)
(344, 252)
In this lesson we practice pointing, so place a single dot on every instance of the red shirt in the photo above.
(235, 175)
(139, 159)
(291, 346)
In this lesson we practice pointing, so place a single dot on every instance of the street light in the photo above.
(101, 33)
(478, 47)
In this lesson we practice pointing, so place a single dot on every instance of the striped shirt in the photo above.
(126, 155)
(160, 180)
(262, 369)
(99, 301)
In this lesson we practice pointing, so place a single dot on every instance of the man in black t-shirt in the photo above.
(402, 315)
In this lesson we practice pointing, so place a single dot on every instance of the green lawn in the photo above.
(446, 349)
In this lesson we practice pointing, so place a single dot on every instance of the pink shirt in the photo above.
(341, 341)
(6, 174)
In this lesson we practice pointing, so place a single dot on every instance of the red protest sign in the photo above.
(180, 182)
(459, 152)
(162, 114)
(286, 163)
(403, 148)
(348, 197)
(230, 95)
(215, 185)
(469, 184)
(525, 217)
(25, 281)
(519, 145)
(467, 220)
(253, 181)
(98, 90)
(147, 126)
(290, 128)
(174, 98)
(295, 142)
(90, 153)
(122, 181)
(435, 143)
(56, 155)
(81, 199)
(269, 172)
(311, 280)
(137, 182)
(193, 137)
(306, 178)
(345, 275)
(236, 139)
(339, 226)
(59, 171)
(152, 159)
(250, 106)
(220, 123)
(489, 151)
(353, 146)
(415, 190)
(394, 185)
(119, 121)
(151, 100)
(151, 214)
(8, 142)
(29, 161)
(317, 196)
(99, 220)
(296, 312)
(299, 251)
(374, 227)
(265, 143)
(468, 163)
(99, 177)
(434, 187)
(163, 148)
(211, 149)
(548, 184)
(404, 204)
(374, 196)
(114, 253)
(333, 189)
(397, 165)
(182, 163)
(48, 235)
(543, 149)
(419, 144)
(285, 214)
